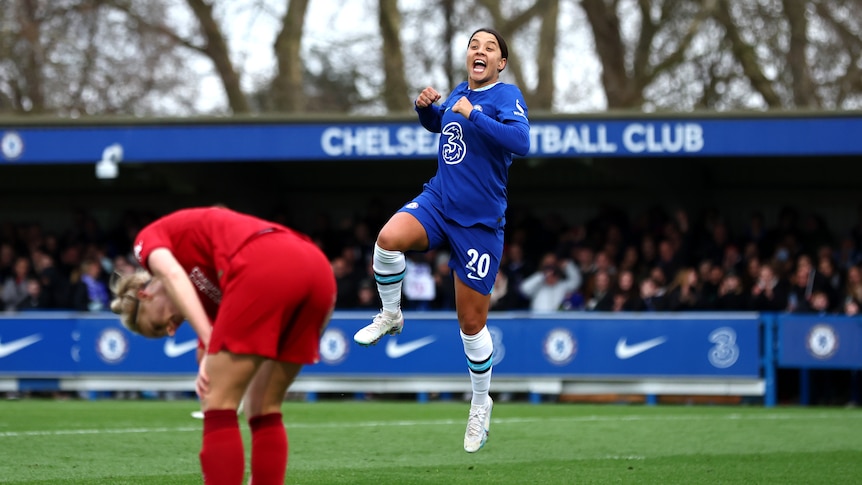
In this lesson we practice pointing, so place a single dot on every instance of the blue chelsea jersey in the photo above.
(475, 154)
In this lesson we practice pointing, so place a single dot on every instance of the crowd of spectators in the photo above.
(655, 260)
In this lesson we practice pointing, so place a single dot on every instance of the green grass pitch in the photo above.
(400, 442)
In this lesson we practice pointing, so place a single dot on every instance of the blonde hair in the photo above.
(125, 302)
(681, 277)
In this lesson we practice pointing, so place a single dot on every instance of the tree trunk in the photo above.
(34, 92)
(611, 52)
(543, 99)
(395, 91)
(287, 87)
(803, 87)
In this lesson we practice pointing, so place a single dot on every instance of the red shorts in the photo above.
(278, 294)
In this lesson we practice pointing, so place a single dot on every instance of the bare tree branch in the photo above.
(548, 11)
(850, 83)
(216, 49)
(678, 56)
(746, 56)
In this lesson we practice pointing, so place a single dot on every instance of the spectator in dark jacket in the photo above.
(36, 299)
(770, 291)
(731, 294)
(685, 292)
(90, 293)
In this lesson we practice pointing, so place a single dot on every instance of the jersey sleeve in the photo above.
(514, 136)
(149, 239)
(430, 117)
(511, 128)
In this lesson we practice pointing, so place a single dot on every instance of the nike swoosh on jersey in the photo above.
(626, 351)
(473, 277)
(520, 109)
(10, 348)
(395, 350)
(173, 349)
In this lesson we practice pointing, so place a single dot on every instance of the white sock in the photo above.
(389, 269)
(479, 349)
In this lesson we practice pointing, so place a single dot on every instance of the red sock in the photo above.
(268, 449)
(222, 456)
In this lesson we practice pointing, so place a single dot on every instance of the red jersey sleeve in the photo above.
(148, 239)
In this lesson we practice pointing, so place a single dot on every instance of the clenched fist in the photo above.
(427, 97)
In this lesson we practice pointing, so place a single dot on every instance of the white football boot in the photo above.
(384, 323)
(478, 426)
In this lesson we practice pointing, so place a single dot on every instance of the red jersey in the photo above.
(203, 240)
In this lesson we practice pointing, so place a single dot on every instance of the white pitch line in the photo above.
(68, 432)
(444, 422)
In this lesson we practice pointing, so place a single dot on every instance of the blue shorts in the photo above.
(476, 250)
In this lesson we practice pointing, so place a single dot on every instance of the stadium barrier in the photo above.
(649, 354)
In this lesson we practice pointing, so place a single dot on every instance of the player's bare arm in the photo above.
(180, 289)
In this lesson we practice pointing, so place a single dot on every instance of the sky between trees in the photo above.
(75, 58)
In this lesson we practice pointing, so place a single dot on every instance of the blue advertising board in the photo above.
(382, 139)
(583, 346)
(695, 347)
(668, 346)
(38, 346)
(825, 342)
(59, 345)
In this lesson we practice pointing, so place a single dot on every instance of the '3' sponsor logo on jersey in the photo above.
(454, 149)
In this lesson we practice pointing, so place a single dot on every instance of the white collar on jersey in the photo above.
(485, 88)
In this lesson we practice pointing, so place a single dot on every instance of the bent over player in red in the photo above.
(258, 295)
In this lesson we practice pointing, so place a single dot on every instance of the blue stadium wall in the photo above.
(340, 165)
(715, 354)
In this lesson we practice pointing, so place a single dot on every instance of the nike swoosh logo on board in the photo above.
(173, 349)
(395, 350)
(10, 348)
(626, 351)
